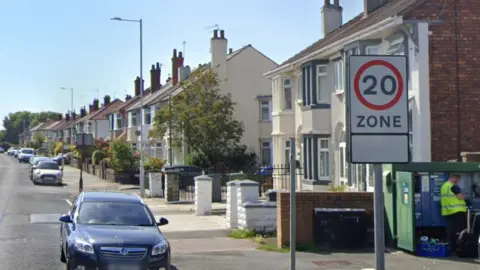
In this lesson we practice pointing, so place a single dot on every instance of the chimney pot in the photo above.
(230, 51)
(180, 55)
(222, 34)
(336, 3)
(174, 53)
(176, 64)
(153, 67)
(137, 86)
(215, 34)
(106, 100)
(158, 66)
(326, 3)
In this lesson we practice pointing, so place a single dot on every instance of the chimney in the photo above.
(331, 16)
(155, 77)
(106, 100)
(218, 49)
(74, 115)
(184, 73)
(90, 108)
(96, 105)
(372, 5)
(67, 116)
(83, 112)
(128, 97)
(177, 62)
(137, 86)
(230, 51)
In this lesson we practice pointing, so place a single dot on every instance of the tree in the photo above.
(201, 117)
(18, 122)
(38, 140)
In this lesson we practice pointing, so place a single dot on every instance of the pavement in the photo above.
(29, 232)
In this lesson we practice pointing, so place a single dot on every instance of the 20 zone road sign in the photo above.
(378, 109)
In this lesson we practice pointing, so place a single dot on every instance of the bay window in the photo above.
(147, 115)
(316, 155)
(133, 119)
(371, 50)
(119, 122)
(322, 85)
(287, 93)
(315, 90)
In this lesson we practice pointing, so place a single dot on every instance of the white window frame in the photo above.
(133, 118)
(147, 116)
(323, 151)
(287, 152)
(265, 104)
(343, 178)
(287, 89)
(339, 73)
(118, 122)
(396, 47)
(318, 88)
(370, 178)
(368, 48)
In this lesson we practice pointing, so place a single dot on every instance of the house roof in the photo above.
(150, 99)
(389, 9)
(111, 107)
(146, 96)
(60, 126)
(36, 127)
(127, 104)
(52, 125)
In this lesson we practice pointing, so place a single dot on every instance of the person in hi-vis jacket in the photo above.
(454, 208)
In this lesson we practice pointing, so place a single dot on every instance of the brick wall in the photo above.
(443, 76)
(306, 202)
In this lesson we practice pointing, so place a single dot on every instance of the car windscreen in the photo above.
(48, 166)
(114, 213)
(38, 159)
(27, 151)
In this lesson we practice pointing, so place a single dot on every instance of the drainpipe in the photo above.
(457, 82)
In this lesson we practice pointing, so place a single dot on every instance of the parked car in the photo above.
(47, 172)
(2, 150)
(58, 159)
(25, 154)
(112, 230)
(14, 151)
(34, 161)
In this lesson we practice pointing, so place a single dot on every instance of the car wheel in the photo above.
(63, 259)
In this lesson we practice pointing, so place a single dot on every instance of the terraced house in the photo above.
(440, 42)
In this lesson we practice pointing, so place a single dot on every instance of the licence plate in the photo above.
(124, 267)
(49, 178)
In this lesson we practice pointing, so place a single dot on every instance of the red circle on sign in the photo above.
(365, 102)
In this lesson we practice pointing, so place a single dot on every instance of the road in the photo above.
(24, 243)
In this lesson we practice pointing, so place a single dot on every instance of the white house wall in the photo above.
(101, 129)
(245, 82)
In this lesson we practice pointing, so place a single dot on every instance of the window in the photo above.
(371, 50)
(265, 111)
(339, 76)
(266, 153)
(322, 88)
(148, 116)
(119, 122)
(323, 159)
(287, 152)
(317, 158)
(133, 121)
(342, 162)
(396, 47)
(287, 94)
(118, 213)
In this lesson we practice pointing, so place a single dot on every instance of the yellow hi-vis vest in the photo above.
(451, 204)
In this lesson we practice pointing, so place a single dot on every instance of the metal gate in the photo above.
(186, 185)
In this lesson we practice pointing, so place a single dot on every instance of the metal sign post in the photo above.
(83, 140)
(293, 205)
(378, 124)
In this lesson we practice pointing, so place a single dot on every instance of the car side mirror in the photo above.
(65, 219)
(162, 222)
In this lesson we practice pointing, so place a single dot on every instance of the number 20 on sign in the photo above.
(378, 109)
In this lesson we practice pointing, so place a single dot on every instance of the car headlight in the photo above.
(83, 246)
(160, 248)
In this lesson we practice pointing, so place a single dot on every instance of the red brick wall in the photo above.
(443, 73)
(306, 202)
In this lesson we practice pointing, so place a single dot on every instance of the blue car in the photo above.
(112, 230)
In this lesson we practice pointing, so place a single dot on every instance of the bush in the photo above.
(341, 188)
(122, 158)
(153, 164)
(97, 156)
(58, 148)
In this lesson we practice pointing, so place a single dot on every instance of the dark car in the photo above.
(112, 230)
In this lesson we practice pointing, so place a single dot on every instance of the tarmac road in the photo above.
(29, 228)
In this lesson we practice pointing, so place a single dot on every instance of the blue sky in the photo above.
(51, 44)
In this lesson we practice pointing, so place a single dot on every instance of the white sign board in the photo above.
(378, 109)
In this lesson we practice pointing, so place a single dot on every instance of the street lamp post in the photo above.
(71, 110)
(142, 173)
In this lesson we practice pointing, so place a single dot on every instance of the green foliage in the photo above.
(201, 117)
(153, 164)
(97, 156)
(17, 122)
(122, 157)
(233, 159)
(197, 159)
(38, 140)
(58, 148)
(341, 188)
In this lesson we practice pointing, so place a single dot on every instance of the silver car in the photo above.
(47, 172)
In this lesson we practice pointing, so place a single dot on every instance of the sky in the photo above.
(51, 44)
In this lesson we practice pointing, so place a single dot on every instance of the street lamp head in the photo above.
(116, 19)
